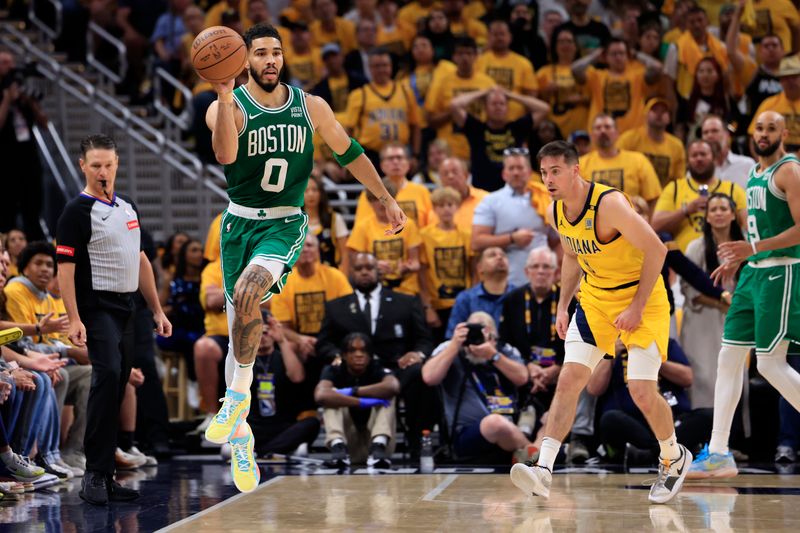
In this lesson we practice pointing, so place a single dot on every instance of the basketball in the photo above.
(218, 54)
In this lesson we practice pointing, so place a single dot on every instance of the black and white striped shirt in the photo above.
(103, 239)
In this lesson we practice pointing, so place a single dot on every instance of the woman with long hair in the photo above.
(703, 316)
(709, 96)
(569, 101)
(437, 30)
(165, 263)
(14, 242)
(327, 225)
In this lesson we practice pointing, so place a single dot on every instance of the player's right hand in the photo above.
(77, 333)
(224, 88)
(562, 324)
(396, 217)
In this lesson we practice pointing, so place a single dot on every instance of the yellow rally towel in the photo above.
(690, 54)
(748, 15)
(540, 197)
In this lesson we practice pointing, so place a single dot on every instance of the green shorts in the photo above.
(765, 308)
(244, 239)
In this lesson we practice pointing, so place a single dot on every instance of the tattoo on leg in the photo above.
(246, 335)
(246, 338)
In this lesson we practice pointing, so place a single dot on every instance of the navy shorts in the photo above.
(470, 443)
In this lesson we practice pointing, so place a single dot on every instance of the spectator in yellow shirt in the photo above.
(329, 28)
(446, 262)
(453, 173)
(397, 254)
(445, 88)
(382, 111)
(413, 198)
(460, 25)
(630, 172)
(214, 14)
(304, 61)
(391, 35)
(410, 14)
(618, 91)
(787, 103)
(510, 70)
(681, 209)
(664, 150)
(211, 348)
(211, 250)
(779, 17)
(423, 70)
(326, 225)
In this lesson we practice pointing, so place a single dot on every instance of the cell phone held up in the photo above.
(474, 334)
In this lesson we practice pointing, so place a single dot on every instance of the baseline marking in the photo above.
(446, 482)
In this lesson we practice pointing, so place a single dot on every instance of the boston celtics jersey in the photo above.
(768, 212)
(276, 152)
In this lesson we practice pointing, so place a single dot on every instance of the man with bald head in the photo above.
(730, 167)
(453, 173)
(765, 311)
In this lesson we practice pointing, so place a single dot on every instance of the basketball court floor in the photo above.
(195, 494)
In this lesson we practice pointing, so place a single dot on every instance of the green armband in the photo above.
(350, 155)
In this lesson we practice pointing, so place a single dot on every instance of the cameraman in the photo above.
(22, 186)
(479, 381)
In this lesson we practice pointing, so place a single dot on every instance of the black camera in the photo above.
(19, 75)
(475, 334)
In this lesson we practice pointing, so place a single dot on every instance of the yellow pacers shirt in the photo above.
(511, 71)
(215, 321)
(442, 92)
(368, 236)
(379, 115)
(466, 211)
(340, 91)
(24, 306)
(344, 34)
(306, 68)
(667, 157)
(775, 16)
(682, 192)
(413, 198)
(630, 172)
(211, 251)
(791, 114)
(394, 39)
(447, 254)
(411, 13)
(568, 117)
(618, 95)
(302, 300)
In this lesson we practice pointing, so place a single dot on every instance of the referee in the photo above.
(101, 265)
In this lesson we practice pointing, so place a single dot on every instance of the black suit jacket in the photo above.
(400, 327)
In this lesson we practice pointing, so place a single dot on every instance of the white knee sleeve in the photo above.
(582, 353)
(644, 363)
(776, 370)
(275, 268)
(727, 392)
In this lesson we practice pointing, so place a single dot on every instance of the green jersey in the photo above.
(768, 211)
(276, 152)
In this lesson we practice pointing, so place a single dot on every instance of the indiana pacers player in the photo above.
(262, 132)
(616, 258)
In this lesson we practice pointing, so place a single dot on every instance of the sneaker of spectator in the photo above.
(577, 452)
(76, 471)
(51, 466)
(528, 454)
(46, 481)
(74, 460)
(20, 467)
(127, 461)
(785, 454)
(149, 459)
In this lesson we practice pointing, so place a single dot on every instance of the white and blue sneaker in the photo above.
(712, 465)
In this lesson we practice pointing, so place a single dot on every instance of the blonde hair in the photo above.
(445, 194)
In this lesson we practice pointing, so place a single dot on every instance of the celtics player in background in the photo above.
(262, 133)
(765, 311)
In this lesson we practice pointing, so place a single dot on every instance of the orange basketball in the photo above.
(218, 54)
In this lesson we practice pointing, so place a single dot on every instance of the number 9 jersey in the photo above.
(276, 152)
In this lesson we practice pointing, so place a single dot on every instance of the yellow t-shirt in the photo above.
(470, 28)
(775, 16)
(340, 90)
(306, 68)
(211, 251)
(214, 14)
(442, 91)
(618, 95)
(466, 211)
(411, 13)
(791, 114)
(474, 10)
(420, 81)
(413, 198)
(680, 193)
(344, 34)
(216, 322)
(667, 157)
(25, 307)
(378, 115)
(447, 254)
(568, 117)
(368, 236)
(395, 39)
(511, 71)
(630, 172)
(302, 300)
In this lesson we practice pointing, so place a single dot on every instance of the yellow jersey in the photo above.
(410, 14)
(618, 95)
(214, 14)
(568, 117)
(343, 34)
(667, 157)
(305, 69)
(775, 16)
(216, 322)
(302, 300)
(368, 236)
(211, 250)
(24, 306)
(630, 172)
(378, 115)
(340, 91)
(414, 199)
(466, 210)
(470, 28)
(447, 255)
(442, 91)
(791, 114)
(396, 39)
(682, 192)
(511, 71)
(615, 264)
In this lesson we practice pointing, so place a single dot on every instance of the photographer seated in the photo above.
(479, 380)
(358, 397)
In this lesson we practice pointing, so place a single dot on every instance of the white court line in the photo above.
(219, 505)
(439, 488)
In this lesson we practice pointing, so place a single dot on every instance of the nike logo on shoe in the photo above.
(773, 278)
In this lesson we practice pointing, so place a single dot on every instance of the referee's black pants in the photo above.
(110, 340)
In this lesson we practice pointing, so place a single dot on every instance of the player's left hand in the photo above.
(734, 251)
(163, 326)
(396, 217)
(630, 318)
(725, 273)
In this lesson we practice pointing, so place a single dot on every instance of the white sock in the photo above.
(727, 392)
(669, 447)
(381, 439)
(230, 357)
(242, 377)
(776, 370)
(549, 452)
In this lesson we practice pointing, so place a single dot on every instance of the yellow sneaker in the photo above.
(244, 468)
(234, 410)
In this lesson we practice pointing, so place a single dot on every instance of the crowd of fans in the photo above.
(451, 323)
